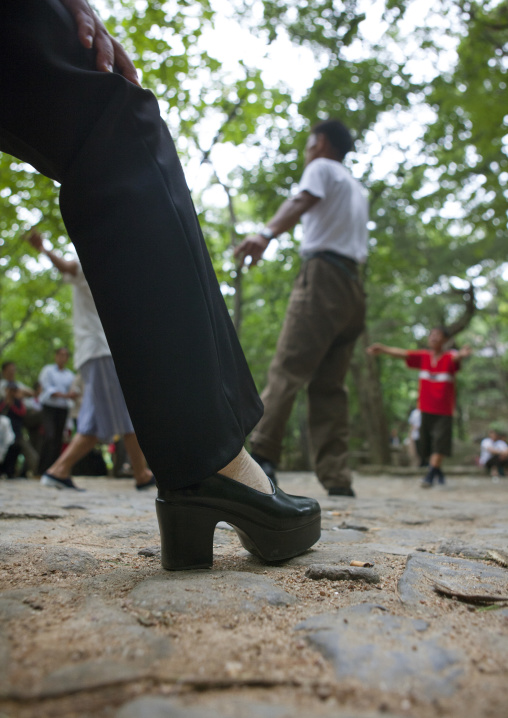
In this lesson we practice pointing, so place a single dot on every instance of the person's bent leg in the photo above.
(305, 338)
(142, 474)
(128, 211)
(328, 420)
(79, 447)
(58, 475)
(49, 430)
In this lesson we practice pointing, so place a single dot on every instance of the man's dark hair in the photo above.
(337, 134)
(6, 364)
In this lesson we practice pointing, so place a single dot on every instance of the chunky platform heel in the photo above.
(274, 527)
(186, 536)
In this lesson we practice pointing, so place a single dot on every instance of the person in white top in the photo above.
(56, 397)
(326, 311)
(103, 413)
(415, 422)
(494, 453)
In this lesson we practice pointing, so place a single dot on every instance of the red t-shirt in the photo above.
(437, 384)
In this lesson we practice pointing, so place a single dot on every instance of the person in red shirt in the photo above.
(436, 395)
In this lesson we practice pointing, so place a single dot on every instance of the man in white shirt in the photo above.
(103, 413)
(56, 397)
(326, 311)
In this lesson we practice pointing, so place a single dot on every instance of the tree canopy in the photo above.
(423, 90)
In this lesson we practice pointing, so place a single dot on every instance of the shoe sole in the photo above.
(189, 542)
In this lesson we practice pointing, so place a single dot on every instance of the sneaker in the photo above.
(50, 480)
(428, 481)
(341, 491)
(267, 466)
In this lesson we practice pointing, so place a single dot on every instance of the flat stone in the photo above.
(342, 536)
(6, 515)
(415, 584)
(342, 573)
(68, 560)
(87, 676)
(131, 529)
(332, 553)
(4, 663)
(391, 549)
(454, 547)
(370, 645)
(129, 650)
(11, 608)
(150, 551)
(12, 552)
(154, 707)
(194, 590)
(223, 707)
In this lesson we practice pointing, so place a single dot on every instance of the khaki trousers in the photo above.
(326, 314)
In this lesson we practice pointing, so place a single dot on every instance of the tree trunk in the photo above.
(366, 378)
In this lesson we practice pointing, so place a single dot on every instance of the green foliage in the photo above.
(438, 213)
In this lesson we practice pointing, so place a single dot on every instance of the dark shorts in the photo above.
(436, 435)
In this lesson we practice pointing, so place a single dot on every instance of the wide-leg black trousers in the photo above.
(128, 211)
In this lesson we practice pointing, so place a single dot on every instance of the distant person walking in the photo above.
(55, 397)
(415, 422)
(436, 396)
(326, 311)
(103, 412)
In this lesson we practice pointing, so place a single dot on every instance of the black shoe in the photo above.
(50, 480)
(428, 481)
(341, 491)
(441, 479)
(267, 466)
(273, 526)
(147, 485)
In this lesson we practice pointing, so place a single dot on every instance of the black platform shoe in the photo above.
(273, 526)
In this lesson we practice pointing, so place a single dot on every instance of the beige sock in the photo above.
(247, 471)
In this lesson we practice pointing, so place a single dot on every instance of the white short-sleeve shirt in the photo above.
(89, 339)
(486, 450)
(338, 222)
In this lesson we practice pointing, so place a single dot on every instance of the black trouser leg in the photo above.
(8, 466)
(128, 211)
(53, 421)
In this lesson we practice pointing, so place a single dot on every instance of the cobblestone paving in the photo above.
(90, 625)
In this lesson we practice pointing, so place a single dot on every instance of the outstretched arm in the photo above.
(376, 349)
(63, 265)
(92, 33)
(284, 219)
(464, 352)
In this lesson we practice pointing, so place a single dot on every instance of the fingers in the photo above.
(86, 28)
(124, 63)
(104, 48)
(92, 33)
(249, 248)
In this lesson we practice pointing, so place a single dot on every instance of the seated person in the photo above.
(494, 453)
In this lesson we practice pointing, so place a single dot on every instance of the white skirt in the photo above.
(103, 412)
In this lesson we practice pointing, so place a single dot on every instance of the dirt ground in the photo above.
(79, 642)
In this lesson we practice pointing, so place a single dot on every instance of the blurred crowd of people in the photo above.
(32, 433)
(39, 416)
